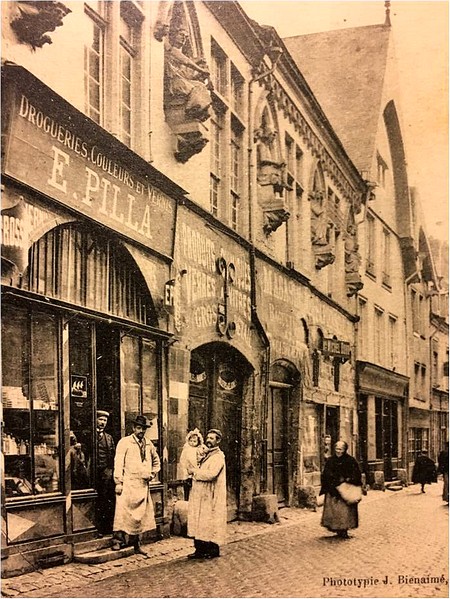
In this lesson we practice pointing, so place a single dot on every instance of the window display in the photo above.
(30, 434)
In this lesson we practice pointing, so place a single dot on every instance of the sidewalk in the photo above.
(56, 580)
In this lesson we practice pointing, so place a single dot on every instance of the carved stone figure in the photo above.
(320, 230)
(271, 180)
(319, 222)
(352, 262)
(34, 19)
(186, 79)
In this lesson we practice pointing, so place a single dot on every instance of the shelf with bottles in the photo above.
(13, 445)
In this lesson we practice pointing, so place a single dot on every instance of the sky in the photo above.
(420, 30)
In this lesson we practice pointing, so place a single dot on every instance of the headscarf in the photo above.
(193, 433)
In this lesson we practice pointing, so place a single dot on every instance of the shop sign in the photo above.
(78, 388)
(336, 349)
(213, 291)
(14, 235)
(22, 222)
(56, 150)
(281, 320)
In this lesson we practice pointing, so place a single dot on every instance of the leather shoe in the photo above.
(117, 547)
(140, 551)
(196, 556)
(211, 556)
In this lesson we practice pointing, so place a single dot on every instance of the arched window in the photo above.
(86, 268)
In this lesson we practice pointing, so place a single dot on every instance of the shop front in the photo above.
(84, 263)
(381, 421)
(217, 361)
(310, 403)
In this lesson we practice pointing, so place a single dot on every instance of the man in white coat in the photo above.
(135, 466)
(207, 510)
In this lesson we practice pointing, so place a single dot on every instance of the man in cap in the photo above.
(104, 482)
(135, 466)
(207, 510)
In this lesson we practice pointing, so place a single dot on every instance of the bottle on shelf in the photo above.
(22, 447)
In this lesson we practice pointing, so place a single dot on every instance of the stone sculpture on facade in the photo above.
(187, 90)
(320, 230)
(271, 180)
(34, 19)
(352, 262)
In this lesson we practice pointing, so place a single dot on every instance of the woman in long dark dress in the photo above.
(338, 516)
(424, 471)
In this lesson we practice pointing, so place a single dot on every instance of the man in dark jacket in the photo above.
(443, 469)
(106, 450)
(424, 471)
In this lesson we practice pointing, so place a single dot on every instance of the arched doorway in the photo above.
(217, 385)
(283, 378)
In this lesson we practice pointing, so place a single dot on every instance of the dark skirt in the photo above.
(338, 515)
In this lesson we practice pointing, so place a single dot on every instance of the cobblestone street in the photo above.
(402, 536)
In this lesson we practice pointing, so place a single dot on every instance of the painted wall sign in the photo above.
(23, 221)
(213, 293)
(59, 152)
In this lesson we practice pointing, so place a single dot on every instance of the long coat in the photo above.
(424, 471)
(337, 514)
(134, 507)
(207, 511)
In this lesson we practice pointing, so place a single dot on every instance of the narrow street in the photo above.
(402, 536)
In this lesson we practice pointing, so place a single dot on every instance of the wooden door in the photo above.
(279, 400)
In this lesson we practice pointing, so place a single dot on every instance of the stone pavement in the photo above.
(402, 536)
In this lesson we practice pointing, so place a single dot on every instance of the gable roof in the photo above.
(345, 70)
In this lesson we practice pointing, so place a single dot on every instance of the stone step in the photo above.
(103, 555)
(92, 545)
(394, 485)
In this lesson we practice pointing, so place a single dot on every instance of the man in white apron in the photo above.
(135, 466)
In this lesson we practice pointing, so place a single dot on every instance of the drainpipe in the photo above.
(254, 312)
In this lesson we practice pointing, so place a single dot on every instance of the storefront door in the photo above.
(94, 376)
(215, 401)
(277, 441)
(386, 413)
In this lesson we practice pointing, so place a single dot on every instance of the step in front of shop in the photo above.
(98, 551)
(394, 485)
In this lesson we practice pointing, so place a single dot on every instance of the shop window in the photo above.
(140, 383)
(86, 269)
(419, 439)
(31, 413)
(311, 446)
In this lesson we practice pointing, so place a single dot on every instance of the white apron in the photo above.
(134, 507)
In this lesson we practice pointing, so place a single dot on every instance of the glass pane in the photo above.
(131, 391)
(150, 386)
(44, 393)
(81, 404)
(15, 404)
(94, 94)
(94, 66)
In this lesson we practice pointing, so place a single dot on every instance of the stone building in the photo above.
(183, 236)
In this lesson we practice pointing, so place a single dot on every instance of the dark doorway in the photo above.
(107, 359)
(332, 424)
(217, 378)
(386, 415)
(362, 432)
(277, 441)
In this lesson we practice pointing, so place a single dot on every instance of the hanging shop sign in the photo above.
(58, 151)
(336, 349)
